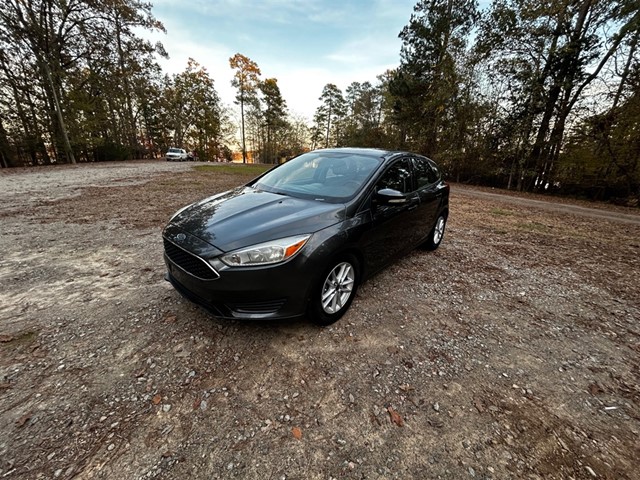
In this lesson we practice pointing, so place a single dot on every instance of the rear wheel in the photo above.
(331, 298)
(435, 237)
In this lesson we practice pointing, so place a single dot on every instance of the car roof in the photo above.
(370, 152)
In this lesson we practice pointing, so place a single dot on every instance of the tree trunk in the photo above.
(54, 97)
(550, 103)
(566, 76)
(4, 147)
(244, 146)
(130, 123)
(326, 145)
(627, 68)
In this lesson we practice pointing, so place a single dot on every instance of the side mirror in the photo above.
(389, 196)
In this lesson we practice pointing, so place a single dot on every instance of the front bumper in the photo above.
(260, 293)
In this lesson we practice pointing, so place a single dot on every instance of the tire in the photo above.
(437, 233)
(326, 305)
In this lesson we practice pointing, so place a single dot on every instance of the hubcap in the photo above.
(438, 230)
(338, 287)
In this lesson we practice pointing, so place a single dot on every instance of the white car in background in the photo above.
(176, 154)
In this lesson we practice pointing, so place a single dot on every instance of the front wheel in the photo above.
(435, 237)
(331, 298)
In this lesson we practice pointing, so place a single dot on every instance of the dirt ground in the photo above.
(512, 352)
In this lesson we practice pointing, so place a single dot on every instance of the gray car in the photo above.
(299, 239)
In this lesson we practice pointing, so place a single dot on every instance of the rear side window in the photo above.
(435, 169)
(426, 173)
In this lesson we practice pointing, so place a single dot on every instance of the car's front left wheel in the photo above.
(333, 295)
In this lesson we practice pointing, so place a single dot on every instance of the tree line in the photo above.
(537, 95)
(530, 95)
(78, 84)
(272, 132)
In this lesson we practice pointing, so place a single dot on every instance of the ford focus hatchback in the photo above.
(298, 240)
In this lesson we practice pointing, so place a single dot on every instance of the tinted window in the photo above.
(425, 172)
(398, 177)
(328, 176)
(435, 169)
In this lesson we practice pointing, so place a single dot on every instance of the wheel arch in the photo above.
(352, 250)
(352, 256)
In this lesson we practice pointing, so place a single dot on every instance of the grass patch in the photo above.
(501, 212)
(20, 340)
(533, 227)
(234, 169)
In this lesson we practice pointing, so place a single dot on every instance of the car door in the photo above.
(429, 193)
(392, 229)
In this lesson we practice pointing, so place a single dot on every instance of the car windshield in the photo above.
(327, 176)
(174, 150)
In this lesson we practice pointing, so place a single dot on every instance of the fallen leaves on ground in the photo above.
(23, 419)
(395, 416)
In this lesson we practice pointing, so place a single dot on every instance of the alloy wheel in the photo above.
(438, 230)
(338, 287)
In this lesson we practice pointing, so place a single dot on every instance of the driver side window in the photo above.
(398, 177)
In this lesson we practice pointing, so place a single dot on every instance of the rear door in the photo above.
(429, 193)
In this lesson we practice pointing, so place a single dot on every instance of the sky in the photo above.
(304, 44)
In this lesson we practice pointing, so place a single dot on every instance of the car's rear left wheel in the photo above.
(332, 297)
(435, 237)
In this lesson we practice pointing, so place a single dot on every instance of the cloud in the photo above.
(366, 50)
(301, 87)
(305, 45)
(243, 11)
(180, 44)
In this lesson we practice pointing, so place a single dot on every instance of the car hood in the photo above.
(245, 216)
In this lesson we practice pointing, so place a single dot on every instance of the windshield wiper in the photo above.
(269, 190)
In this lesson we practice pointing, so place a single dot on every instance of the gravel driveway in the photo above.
(510, 352)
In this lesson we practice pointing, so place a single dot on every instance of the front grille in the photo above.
(189, 262)
(270, 306)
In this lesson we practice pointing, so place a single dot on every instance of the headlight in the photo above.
(266, 253)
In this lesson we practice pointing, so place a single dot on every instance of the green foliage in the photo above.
(274, 136)
(363, 125)
(428, 86)
(602, 156)
(540, 59)
(246, 80)
(273, 114)
(528, 95)
(80, 66)
(329, 118)
(193, 113)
